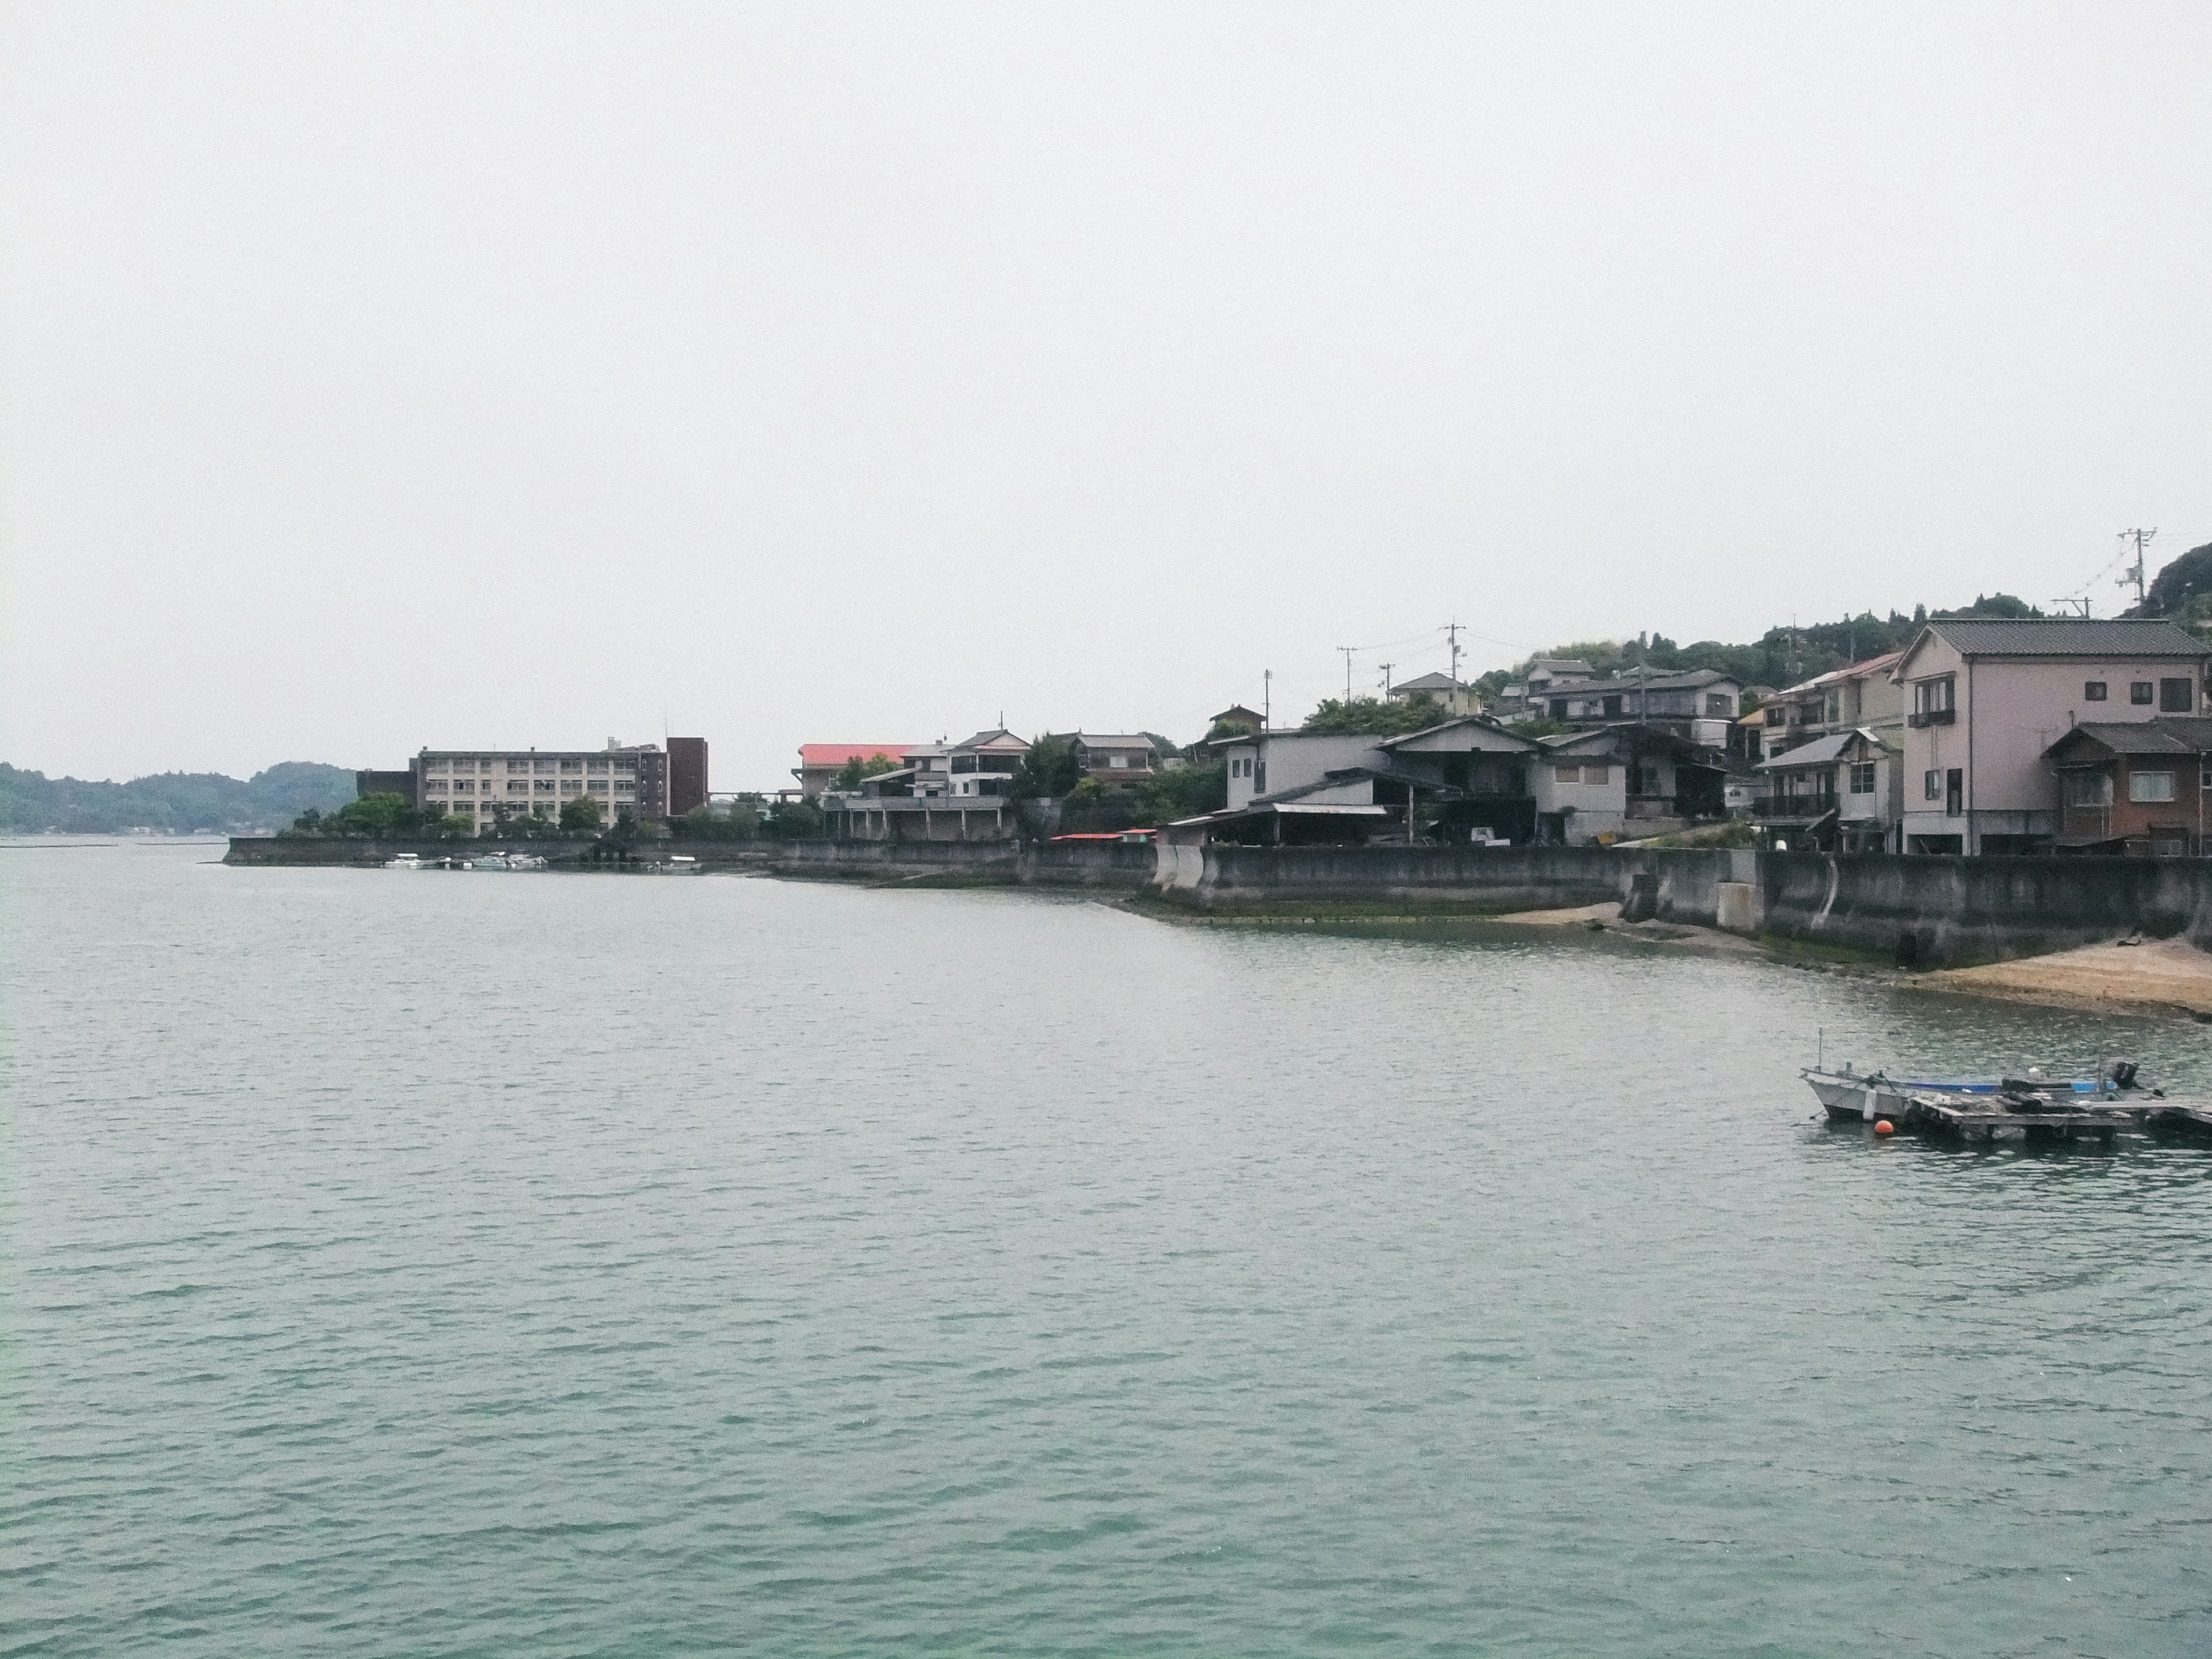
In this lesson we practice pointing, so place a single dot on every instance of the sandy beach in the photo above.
(2156, 977)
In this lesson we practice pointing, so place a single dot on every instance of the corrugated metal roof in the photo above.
(1820, 751)
(2062, 637)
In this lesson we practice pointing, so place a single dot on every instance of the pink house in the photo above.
(1984, 698)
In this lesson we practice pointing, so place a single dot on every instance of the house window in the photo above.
(2139, 692)
(2150, 786)
(2175, 697)
(1121, 761)
(1931, 786)
(1568, 773)
(1954, 793)
(1862, 777)
(1936, 697)
(1775, 715)
(517, 787)
(1835, 706)
(2093, 691)
(1612, 710)
(1559, 708)
(1596, 774)
(572, 766)
(2088, 789)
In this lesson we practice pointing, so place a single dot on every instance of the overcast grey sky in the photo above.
(384, 375)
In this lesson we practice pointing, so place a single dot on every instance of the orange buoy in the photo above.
(1882, 1126)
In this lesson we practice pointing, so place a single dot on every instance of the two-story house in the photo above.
(984, 764)
(1120, 762)
(1984, 699)
(1697, 705)
(1838, 793)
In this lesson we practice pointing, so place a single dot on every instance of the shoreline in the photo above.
(2152, 978)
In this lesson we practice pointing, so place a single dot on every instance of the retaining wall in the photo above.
(1096, 864)
(1937, 912)
(1681, 886)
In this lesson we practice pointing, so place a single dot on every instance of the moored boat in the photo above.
(1849, 1095)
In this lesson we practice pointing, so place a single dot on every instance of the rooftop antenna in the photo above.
(2135, 573)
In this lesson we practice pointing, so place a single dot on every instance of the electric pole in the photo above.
(1387, 667)
(2136, 575)
(1451, 633)
(1267, 699)
(1347, 650)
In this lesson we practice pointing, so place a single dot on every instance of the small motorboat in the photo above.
(405, 861)
(1851, 1095)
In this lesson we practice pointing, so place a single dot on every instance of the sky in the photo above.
(378, 377)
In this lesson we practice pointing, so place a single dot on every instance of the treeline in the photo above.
(1781, 657)
(177, 802)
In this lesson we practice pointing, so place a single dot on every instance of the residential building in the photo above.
(1272, 762)
(687, 776)
(487, 785)
(2134, 786)
(1620, 781)
(1861, 695)
(1838, 793)
(1489, 769)
(819, 763)
(1985, 699)
(1236, 714)
(1452, 699)
(1120, 762)
(1698, 704)
(985, 764)
(891, 807)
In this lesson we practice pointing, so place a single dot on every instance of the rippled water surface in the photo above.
(546, 1265)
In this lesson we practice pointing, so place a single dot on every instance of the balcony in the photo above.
(1921, 717)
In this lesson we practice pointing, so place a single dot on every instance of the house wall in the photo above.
(1293, 759)
(2137, 820)
(1593, 809)
(2009, 711)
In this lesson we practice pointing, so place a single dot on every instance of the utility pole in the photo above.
(1347, 650)
(1387, 667)
(2136, 575)
(1267, 699)
(1451, 633)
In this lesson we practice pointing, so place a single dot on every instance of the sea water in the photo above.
(444, 1263)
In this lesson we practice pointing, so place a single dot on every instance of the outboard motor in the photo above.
(2123, 1074)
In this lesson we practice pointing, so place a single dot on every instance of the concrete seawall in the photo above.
(1915, 911)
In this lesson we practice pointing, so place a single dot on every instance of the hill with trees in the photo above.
(177, 802)
(1780, 657)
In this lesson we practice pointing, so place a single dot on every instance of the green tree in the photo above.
(856, 771)
(379, 816)
(1370, 716)
(793, 820)
(2188, 577)
(579, 815)
(1047, 770)
(1184, 793)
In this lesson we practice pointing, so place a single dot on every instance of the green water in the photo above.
(542, 1265)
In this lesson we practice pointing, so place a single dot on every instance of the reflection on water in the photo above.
(443, 1264)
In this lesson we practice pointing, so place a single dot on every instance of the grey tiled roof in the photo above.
(2166, 735)
(1982, 636)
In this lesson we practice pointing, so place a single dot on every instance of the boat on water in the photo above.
(405, 861)
(1849, 1095)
